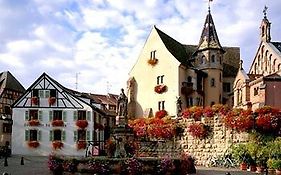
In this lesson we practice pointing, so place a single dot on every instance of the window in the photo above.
(81, 115)
(226, 87)
(220, 77)
(32, 135)
(57, 115)
(220, 59)
(161, 105)
(7, 128)
(213, 58)
(43, 93)
(81, 134)
(33, 115)
(152, 54)
(189, 79)
(53, 93)
(212, 82)
(57, 134)
(160, 79)
(256, 91)
(212, 103)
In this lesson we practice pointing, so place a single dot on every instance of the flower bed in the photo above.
(160, 88)
(198, 130)
(57, 123)
(33, 144)
(82, 123)
(136, 166)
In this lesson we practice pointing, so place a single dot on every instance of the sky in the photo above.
(99, 41)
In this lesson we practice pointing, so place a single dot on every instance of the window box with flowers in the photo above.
(57, 123)
(34, 100)
(152, 61)
(161, 114)
(33, 122)
(33, 144)
(81, 145)
(160, 88)
(82, 123)
(52, 100)
(57, 144)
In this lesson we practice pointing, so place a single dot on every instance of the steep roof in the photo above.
(277, 45)
(8, 81)
(209, 38)
(174, 47)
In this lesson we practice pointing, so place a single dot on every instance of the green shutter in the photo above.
(50, 115)
(47, 93)
(75, 117)
(41, 93)
(26, 115)
(63, 135)
(64, 115)
(75, 136)
(51, 135)
(88, 135)
(26, 135)
(39, 135)
(88, 115)
(40, 115)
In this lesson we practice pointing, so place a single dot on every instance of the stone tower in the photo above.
(265, 28)
(209, 58)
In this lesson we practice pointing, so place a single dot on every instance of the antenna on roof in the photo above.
(76, 82)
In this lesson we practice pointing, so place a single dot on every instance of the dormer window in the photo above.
(213, 58)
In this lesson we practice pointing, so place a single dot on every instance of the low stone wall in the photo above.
(216, 144)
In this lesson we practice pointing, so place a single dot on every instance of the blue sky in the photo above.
(101, 39)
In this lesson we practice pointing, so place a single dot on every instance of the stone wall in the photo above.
(216, 144)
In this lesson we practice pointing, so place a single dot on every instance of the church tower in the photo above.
(209, 58)
(265, 28)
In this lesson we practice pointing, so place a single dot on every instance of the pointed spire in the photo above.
(209, 38)
(265, 27)
(241, 65)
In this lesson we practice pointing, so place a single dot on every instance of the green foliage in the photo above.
(276, 164)
(240, 153)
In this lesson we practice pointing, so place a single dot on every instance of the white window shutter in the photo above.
(88, 135)
(47, 93)
(41, 93)
(63, 135)
(26, 115)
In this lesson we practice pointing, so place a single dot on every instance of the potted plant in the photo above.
(276, 164)
(270, 168)
(240, 153)
(261, 158)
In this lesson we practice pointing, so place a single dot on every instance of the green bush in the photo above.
(240, 153)
(276, 164)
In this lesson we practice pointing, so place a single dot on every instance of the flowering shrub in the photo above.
(159, 128)
(33, 144)
(160, 88)
(133, 166)
(82, 123)
(81, 145)
(55, 163)
(195, 112)
(220, 109)
(99, 167)
(34, 122)
(110, 147)
(198, 130)
(52, 100)
(57, 144)
(208, 112)
(239, 120)
(70, 165)
(57, 123)
(161, 113)
(34, 100)
(152, 62)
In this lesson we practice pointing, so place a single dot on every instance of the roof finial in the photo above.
(209, 6)
(241, 65)
(265, 11)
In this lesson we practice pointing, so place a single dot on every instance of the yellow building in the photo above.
(200, 74)
(261, 86)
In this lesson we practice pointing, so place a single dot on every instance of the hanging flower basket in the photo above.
(33, 123)
(82, 123)
(33, 144)
(152, 62)
(160, 88)
(52, 100)
(57, 123)
(81, 145)
(57, 144)
(34, 100)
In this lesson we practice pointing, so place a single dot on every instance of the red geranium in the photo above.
(34, 122)
(161, 113)
(57, 123)
(57, 144)
(52, 100)
(81, 145)
(160, 88)
(198, 130)
(208, 111)
(33, 144)
(82, 123)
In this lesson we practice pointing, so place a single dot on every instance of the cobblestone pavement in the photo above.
(38, 166)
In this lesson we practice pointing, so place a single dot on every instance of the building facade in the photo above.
(10, 91)
(261, 86)
(171, 76)
(51, 118)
